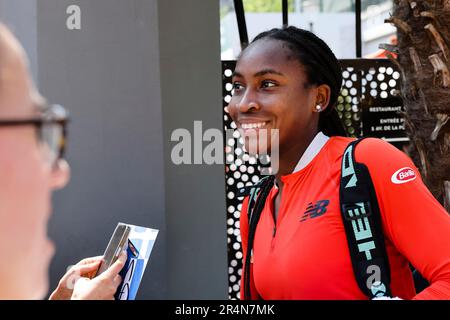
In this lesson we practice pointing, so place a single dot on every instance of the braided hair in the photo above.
(321, 66)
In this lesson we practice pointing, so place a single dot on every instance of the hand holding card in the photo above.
(102, 287)
(138, 243)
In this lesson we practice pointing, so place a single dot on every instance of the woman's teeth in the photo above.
(253, 125)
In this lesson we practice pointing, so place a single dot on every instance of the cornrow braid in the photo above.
(321, 66)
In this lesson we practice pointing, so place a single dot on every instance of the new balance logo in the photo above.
(315, 210)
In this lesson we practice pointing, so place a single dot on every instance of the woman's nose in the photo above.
(248, 103)
(60, 174)
(249, 107)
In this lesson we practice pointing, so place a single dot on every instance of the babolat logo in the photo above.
(315, 210)
(358, 216)
(347, 168)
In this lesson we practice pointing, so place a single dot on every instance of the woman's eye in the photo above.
(237, 86)
(268, 84)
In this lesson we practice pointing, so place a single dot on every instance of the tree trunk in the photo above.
(424, 60)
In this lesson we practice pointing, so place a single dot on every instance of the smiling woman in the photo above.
(287, 81)
(282, 77)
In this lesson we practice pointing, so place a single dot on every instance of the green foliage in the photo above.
(266, 5)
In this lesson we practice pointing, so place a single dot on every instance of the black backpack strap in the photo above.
(362, 222)
(253, 192)
(258, 195)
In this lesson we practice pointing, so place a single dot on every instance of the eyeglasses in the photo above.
(51, 128)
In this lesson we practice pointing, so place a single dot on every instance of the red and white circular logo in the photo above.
(403, 175)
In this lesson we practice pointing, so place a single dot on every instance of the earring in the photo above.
(318, 108)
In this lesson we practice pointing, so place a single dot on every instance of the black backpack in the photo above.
(362, 223)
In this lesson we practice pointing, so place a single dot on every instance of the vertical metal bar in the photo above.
(358, 28)
(285, 12)
(242, 26)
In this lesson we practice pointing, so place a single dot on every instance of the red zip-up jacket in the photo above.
(305, 255)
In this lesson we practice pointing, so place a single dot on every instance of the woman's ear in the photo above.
(323, 96)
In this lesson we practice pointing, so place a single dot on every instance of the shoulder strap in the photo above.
(362, 222)
(258, 195)
(253, 192)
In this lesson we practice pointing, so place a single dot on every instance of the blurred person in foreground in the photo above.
(31, 166)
